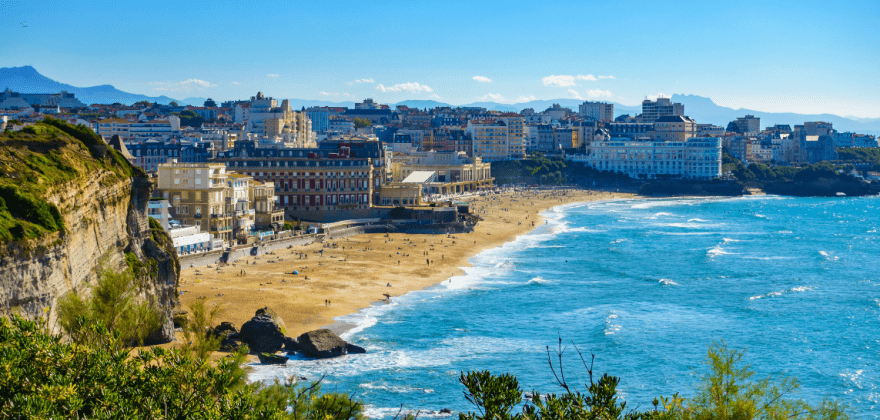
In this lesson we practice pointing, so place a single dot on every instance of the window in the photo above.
(176, 180)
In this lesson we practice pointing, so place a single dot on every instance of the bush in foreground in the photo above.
(46, 376)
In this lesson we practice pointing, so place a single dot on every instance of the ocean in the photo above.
(646, 286)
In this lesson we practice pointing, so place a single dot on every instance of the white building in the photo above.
(189, 239)
(597, 111)
(696, 158)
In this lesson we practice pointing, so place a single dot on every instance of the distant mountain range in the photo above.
(28, 80)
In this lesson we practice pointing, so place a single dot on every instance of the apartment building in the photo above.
(200, 195)
(652, 110)
(695, 158)
(596, 111)
(490, 138)
(128, 130)
(674, 128)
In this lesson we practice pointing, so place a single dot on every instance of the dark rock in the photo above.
(180, 319)
(323, 343)
(226, 329)
(264, 333)
(271, 359)
(353, 349)
(445, 411)
(230, 344)
(290, 345)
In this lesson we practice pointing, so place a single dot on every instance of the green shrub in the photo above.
(44, 376)
(113, 302)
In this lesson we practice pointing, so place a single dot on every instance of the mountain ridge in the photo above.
(27, 79)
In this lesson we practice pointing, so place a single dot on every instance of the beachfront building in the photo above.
(337, 180)
(189, 239)
(675, 128)
(228, 205)
(652, 110)
(455, 172)
(695, 158)
(264, 117)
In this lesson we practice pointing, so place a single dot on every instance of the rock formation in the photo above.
(323, 344)
(102, 201)
(264, 333)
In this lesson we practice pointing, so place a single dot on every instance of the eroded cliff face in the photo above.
(105, 217)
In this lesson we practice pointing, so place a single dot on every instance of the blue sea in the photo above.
(646, 286)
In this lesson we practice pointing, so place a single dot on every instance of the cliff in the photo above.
(68, 205)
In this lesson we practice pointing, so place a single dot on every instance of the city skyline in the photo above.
(781, 57)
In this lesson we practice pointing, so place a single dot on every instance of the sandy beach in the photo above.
(342, 276)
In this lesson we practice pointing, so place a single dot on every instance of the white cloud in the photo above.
(412, 87)
(575, 94)
(365, 81)
(607, 77)
(273, 75)
(435, 96)
(482, 79)
(659, 95)
(501, 99)
(566, 80)
(236, 83)
(184, 86)
(597, 93)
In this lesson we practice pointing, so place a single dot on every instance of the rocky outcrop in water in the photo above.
(323, 344)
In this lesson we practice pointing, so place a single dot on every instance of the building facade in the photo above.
(696, 158)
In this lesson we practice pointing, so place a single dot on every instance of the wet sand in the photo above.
(342, 276)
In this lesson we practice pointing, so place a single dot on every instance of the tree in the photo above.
(173, 103)
(732, 127)
(189, 118)
(210, 103)
(361, 122)
(142, 104)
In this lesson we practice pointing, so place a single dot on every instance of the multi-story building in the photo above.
(149, 154)
(335, 181)
(631, 130)
(709, 130)
(320, 117)
(265, 117)
(490, 139)
(128, 130)
(696, 158)
(651, 110)
(515, 135)
(674, 128)
(748, 125)
(203, 195)
(267, 215)
(597, 111)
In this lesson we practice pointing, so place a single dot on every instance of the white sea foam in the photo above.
(610, 327)
(689, 225)
(716, 251)
(783, 292)
(539, 280)
(698, 220)
(729, 240)
(617, 241)
(828, 256)
(667, 282)
(396, 389)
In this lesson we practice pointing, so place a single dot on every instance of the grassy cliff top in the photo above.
(40, 159)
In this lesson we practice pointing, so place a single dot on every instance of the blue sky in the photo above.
(799, 56)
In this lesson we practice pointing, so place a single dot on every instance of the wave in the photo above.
(373, 412)
(539, 280)
(828, 256)
(617, 241)
(716, 251)
(667, 282)
(610, 327)
(687, 225)
(783, 292)
(396, 389)
(728, 240)
(698, 220)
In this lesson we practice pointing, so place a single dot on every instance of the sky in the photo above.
(776, 56)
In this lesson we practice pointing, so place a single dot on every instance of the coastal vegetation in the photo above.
(37, 160)
(861, 154)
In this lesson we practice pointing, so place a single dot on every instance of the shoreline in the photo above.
(364, 270)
